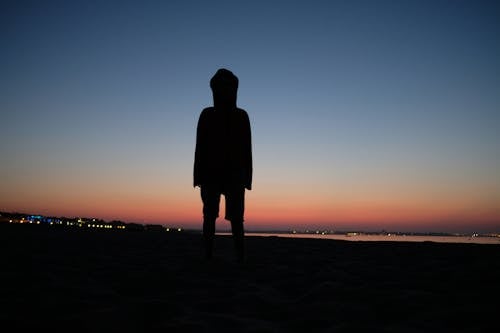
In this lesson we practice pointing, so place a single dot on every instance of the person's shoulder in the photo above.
(242, 112)
(206, 112)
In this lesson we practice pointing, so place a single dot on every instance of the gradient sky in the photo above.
(365, 114)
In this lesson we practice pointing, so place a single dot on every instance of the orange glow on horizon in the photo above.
(269, 209)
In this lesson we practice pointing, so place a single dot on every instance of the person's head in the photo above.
(224, 85)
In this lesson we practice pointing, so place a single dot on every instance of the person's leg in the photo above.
(235, 207)
(211, 199)
(239, 238)
(208, 236)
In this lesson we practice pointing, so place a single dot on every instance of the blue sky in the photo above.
(346, 99)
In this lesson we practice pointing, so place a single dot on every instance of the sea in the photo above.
(356, 237)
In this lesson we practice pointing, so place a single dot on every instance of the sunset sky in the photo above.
(365, 114)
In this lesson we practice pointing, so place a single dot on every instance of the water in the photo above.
(391, 238)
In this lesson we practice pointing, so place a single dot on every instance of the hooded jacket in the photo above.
(223, 153)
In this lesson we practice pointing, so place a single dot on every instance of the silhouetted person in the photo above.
(223, 160)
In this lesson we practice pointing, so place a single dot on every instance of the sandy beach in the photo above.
(124, 281)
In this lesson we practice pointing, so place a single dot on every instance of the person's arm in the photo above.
(248, 152)
(199, 150)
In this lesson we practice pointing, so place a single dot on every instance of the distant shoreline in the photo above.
(341, 236)
(347, 235)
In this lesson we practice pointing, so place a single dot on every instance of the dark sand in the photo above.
(123, 281)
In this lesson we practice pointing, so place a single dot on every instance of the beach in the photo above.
(149, 281)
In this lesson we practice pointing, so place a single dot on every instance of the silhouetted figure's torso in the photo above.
(223, 148)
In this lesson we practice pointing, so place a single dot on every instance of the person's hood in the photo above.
(224, 85)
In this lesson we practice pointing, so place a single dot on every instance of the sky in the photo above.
(365, 115)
